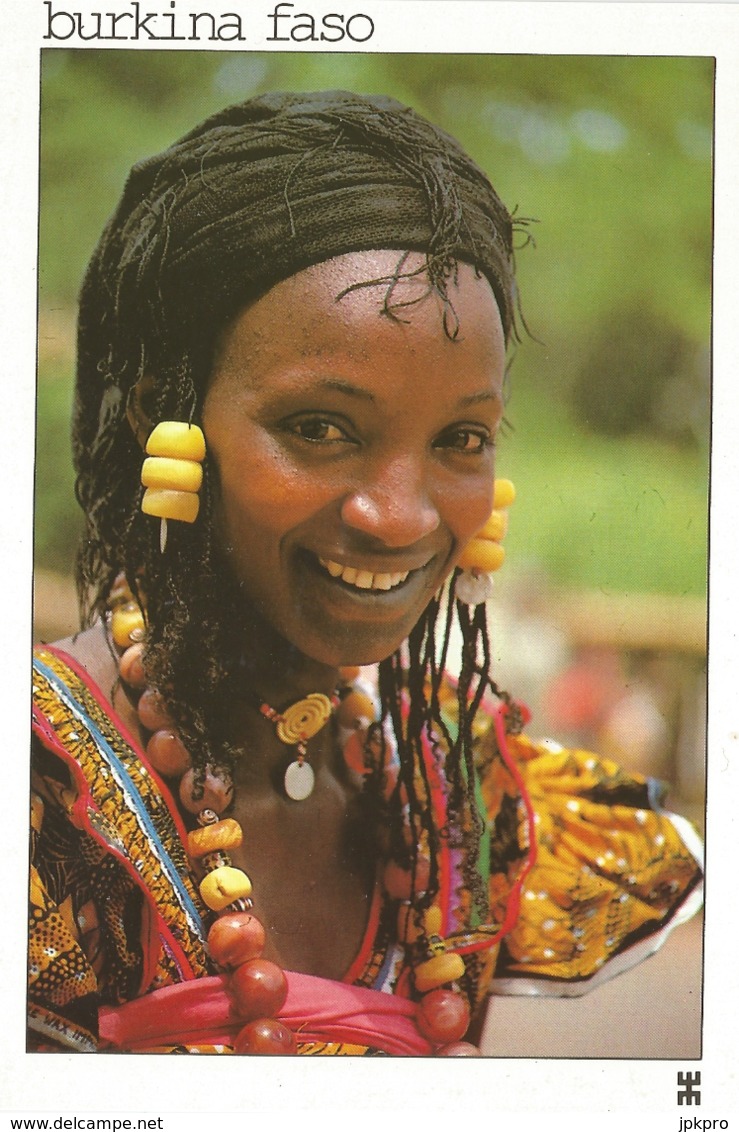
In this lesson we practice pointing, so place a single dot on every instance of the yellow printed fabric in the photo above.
(611, 868)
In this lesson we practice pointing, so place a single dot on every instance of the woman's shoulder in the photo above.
(87, 653)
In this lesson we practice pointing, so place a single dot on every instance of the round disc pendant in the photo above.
(299, 781)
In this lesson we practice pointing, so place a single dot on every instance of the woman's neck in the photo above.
(277, 672)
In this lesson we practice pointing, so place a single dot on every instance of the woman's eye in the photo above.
(317, 430)
(471, 441)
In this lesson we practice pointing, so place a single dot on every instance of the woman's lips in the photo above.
(364, 579)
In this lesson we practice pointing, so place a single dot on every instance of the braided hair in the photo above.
(253, 195)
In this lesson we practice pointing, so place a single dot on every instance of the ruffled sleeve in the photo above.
(613, 873)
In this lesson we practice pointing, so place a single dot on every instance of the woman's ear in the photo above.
(137, 410)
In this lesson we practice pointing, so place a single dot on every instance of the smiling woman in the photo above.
(344, 499)
(269, 813)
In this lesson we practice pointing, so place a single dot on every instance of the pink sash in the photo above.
(200, 1011)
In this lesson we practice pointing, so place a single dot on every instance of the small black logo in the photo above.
(687, 1093)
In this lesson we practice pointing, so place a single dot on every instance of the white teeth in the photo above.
(363, 579)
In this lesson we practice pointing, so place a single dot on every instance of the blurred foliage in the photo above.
(610, 155)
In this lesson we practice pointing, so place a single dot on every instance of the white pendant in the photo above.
(299, 781)
(474, 589)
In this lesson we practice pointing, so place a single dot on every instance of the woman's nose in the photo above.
(393, 507)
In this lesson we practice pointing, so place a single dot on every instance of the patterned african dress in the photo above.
(584, 872)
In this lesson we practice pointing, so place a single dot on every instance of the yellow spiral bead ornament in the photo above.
(172, 474)
(303, 720)
(484, 554)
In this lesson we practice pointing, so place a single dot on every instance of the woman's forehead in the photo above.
(321, 300)
(330, 322)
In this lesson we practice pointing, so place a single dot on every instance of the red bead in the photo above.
(235, 938)
(401, 884)
(131, 666)
(265, 1036)
(217, 792)
(260, 988)
(459, 1049)
(443, 1016)
(354, 755)
(152, 711)
(167, 753)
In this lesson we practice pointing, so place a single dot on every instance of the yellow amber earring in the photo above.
(484, 554)
(172, 474)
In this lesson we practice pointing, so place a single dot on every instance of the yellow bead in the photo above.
(482, 554)
(224, 885)
(432, 920)
(127, 625)
(222, 835)
(436, 972)
(162, 504)
(355, 708)
(504, 493)
(496, 527)
(175, 475)
(177, 439)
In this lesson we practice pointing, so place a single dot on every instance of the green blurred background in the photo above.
(609, 406)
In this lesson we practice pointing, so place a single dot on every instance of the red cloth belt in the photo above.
(201, 1011)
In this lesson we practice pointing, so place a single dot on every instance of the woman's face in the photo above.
(353, 454)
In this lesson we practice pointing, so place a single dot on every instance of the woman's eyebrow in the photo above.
(338, 385)
(477, 398)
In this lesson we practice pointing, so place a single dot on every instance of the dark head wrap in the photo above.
(257, 193)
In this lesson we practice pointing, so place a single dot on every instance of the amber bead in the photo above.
(165, 504)
(127, 624)
(401, 883)
(496, 527)
(432, 920)
(355, 710)
(224, 834)
(235, 938)
(349, 674)
(216, 794)
(443, 1016)
(131, 666)
(152, 711)
(482, 554)
(179, 440)
(435, 972)
(224, 885)
(171, 474)
(266, 1036)
(167, 753)
(259, 988)
(459, 1049)
(504, 493)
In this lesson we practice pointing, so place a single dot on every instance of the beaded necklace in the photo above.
(236, 938)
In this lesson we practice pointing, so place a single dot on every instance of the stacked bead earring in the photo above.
(172, 474)
(484, 554)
